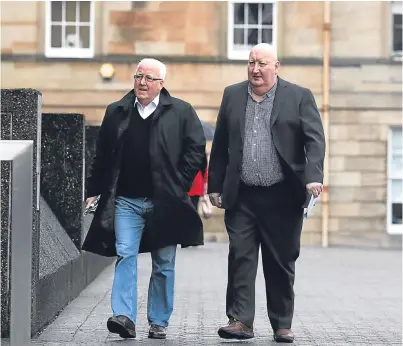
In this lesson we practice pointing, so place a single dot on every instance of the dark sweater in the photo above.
(135, 173)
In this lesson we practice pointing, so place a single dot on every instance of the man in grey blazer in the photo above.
(266, 159)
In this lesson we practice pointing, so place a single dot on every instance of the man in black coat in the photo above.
(266, 159)
(149, 149)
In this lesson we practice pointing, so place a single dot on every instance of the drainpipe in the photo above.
(325, 120)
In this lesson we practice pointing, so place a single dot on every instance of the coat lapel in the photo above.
(125, 108)
(240, 108)
(165, 100)
(278, 100)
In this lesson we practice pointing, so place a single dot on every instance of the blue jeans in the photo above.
(130, 215)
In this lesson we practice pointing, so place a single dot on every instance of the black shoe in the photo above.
(157, 332)
(121, 325)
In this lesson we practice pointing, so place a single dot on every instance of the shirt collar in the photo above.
(156, 101)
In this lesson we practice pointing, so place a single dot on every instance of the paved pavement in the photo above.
(343, 297)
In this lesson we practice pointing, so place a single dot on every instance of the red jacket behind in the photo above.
(197, 188)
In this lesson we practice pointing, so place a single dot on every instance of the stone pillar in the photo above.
(62, 170)
(5, 174)
(20, 120)
(91, 134)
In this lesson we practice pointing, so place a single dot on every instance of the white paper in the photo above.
(311, 204)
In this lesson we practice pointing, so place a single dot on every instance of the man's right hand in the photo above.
(89, 201)
(215, 199)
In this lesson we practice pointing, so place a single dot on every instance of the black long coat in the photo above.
(177, 148)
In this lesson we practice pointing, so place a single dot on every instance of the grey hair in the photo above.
(161, 67)
(267, 48)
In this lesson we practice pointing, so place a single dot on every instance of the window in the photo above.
(397, 28)
(395, 181)
(137, 5)
(69, 29)
(249, 23)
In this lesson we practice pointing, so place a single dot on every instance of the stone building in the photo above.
(347, 53)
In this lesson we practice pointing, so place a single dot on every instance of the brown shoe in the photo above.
(235, 330)
(284, 335)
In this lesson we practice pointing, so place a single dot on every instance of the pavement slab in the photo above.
(344, 296)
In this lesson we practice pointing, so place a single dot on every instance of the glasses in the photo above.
(139, 77)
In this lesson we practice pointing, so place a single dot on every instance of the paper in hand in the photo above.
(311, 204)
(91, 208)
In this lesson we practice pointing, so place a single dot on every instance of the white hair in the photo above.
(266, 47)
(161, 67)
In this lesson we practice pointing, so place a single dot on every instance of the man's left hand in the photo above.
(314, 189)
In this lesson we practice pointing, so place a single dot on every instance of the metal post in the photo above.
(20, 154)
(325, 117)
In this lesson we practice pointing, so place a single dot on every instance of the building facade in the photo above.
(347, 53)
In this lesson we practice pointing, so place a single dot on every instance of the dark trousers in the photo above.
(195, 201)
(265, 217)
